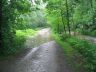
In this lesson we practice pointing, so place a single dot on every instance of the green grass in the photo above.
(24, 33)
(87, 50)
(74, 59)
(67, 48)
(21, 36)
(80, 51)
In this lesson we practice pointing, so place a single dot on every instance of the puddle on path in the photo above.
(42, 36)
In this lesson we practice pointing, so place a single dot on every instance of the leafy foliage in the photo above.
(10, 13)
(66, 16)
(73, 15)
(18, 15)
(87, 50)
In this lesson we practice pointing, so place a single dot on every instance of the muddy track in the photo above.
(46, 56)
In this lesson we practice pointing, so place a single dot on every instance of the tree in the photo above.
(11, 10)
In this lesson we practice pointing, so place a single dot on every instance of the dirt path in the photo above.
(86, 37)
(47, 57)
(89, 38)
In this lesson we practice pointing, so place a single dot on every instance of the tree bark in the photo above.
(63, 20)
(67, 10)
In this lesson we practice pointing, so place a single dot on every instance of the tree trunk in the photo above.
(93, 18)
(63, 21)
(67, 10)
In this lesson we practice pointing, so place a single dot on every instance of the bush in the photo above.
(87, 50)
(18, 43)
(64, 36)
(91, 33)
(26, 32)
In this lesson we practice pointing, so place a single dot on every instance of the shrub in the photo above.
(87, 50)
(18, 43)
(64, 36)
(93, 33)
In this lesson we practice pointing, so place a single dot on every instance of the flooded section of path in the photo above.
(41, 37)
(46, 56)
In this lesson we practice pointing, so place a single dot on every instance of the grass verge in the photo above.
(75, 59)
(87, 50)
